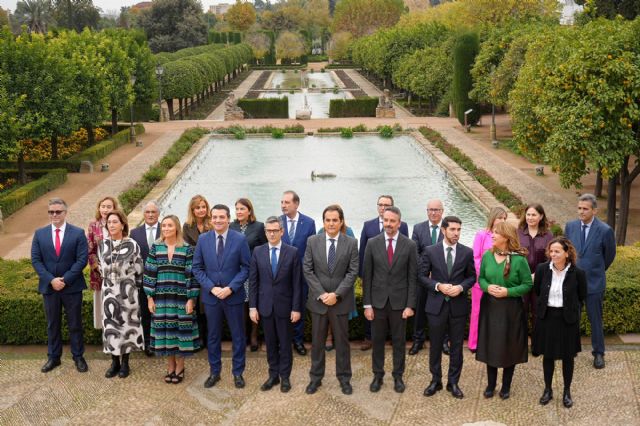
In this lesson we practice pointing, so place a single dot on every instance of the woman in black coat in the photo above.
(561, 288)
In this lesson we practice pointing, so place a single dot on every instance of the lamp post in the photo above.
(159, 72)
(492, 129)
(132, 132)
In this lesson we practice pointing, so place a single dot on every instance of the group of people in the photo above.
(162, 286)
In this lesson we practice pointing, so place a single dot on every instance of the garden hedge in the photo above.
(361, 107)
(22, 316)
(25, 194)
(265, 107)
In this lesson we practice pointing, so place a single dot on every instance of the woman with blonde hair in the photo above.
(502, 331)
(171, 297)
(481, 243)
(97, 232)
(198, 219)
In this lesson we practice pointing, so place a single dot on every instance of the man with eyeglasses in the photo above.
(59, 253)
(370, 229)
(275, 298)
(426, 234)
(145, 235)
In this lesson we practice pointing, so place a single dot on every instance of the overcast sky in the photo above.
(112, 5)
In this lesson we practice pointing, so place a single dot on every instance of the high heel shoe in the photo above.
(178, 377)
(169, 377)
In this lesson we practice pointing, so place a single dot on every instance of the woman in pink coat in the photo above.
(481, 243)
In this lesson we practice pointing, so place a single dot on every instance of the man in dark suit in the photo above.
(447, 272)
(330, 267)
(389, 294)
(145, 235)
(297, 229)
(221, 266)
(595, 244)
(275, 297)
(370, 229)
(425, 234)
(59, 253)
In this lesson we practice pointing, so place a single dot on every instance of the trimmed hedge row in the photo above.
(265, 107)
(22, 318)
(361, 107)
(131, 197)
(25, 194)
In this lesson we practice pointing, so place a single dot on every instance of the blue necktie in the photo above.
(220, 248)
(583, 235)
(331, 258)
(274, 261)
(292, 231)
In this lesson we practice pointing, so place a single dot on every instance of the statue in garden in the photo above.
(231, 109)
(385, 106)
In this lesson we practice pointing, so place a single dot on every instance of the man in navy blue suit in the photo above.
(275, 297)
(370, 229)
(596, 247)
(59, 253)
(221, 266)
(297, 228)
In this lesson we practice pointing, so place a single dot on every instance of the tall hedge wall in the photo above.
(265, 107)
(20, 197)
(464, 54)
(361, 107)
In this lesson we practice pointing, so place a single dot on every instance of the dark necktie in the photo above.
(292, 231)
(449, 260)
(274, 261)
(583, 235)
(220, 248)
(434, 234)
(331, 258)
(390, 251)
(58, 242)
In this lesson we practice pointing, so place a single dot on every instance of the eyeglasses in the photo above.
(56, 212)
(434, 210)
(385, 205)
(272, 231)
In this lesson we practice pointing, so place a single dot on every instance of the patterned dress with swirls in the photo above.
(170, 284)
(121, 267)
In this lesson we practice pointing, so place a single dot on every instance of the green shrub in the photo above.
(346, 132)
(72, 166)
(296, 128)
(239, 133)
(277, 133)
(106, 147)
(25, 194)
(360, 128)
(265, 107)
(361, 107)
(464, 53)
(386, 131)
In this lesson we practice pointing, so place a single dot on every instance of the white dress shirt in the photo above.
(453, 255)
(328, 243)
(557, 279)
(53, 233)
(586, 231)
(224, 239)
(277, 247)
(290, 221)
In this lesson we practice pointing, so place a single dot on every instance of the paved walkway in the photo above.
(64, 396)
(239, 92)
(372, 90)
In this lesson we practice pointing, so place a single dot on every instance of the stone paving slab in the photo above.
(64, 396)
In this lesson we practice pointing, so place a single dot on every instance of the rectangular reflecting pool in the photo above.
(318, 102)
(365, 167)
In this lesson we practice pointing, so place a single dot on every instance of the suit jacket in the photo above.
(232, 272)
(74, 253)
(280, 294)
(254, 233)
(597, 254)
(305, 227)
(574, 291)
(139, 235)
(395, 283)
(340, 281)
(434, 270)
(370, 229)
(422, 236)
(191, 233)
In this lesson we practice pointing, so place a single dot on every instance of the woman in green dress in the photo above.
(502, 331)
(171, 296)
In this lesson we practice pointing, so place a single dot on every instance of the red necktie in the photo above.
(390, 251)
(57, 242)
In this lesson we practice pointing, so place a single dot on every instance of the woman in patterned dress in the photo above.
(171, 295)
(97, 232)
(121, 270)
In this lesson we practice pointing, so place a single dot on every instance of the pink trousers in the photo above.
(476, 296)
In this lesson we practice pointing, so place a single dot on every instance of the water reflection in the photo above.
(318, 102)
(365, 167)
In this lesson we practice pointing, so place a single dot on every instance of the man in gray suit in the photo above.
(330, 267)
(389, 294)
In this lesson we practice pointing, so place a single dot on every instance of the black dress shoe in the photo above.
(212, 380)
(504, 393)
(271, 382)
(148, 352)
(346, 388)
(238, 381)
(299, 347)
(488, 392)
(376, 384)
(312, 387)
(398, 384)
(432, 388)
(285, 386)
(114, 369)
(445, 348)
(50, 365)
(547, 396)
(81, 365)
(415, 348)
(566, 399)
(598, 361)
(455, 390)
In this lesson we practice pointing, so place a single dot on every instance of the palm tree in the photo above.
(35, 14)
